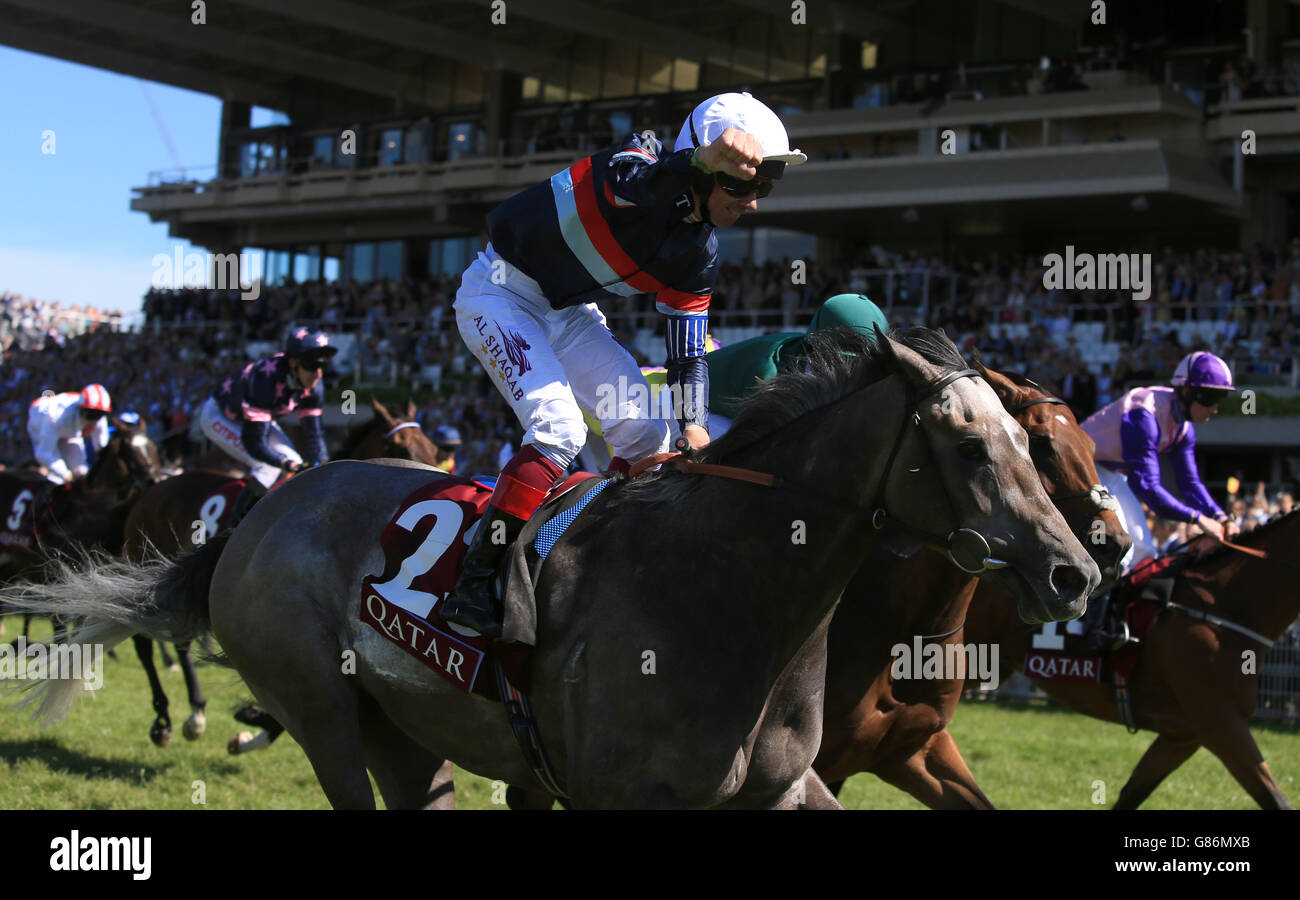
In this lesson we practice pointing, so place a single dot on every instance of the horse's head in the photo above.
(960, 476)
(402, 438)
(130, 460)
(1063, 454)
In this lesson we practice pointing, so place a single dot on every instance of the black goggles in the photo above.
(1209, 396)
(739, 187)
(93, 413)
(314, 362)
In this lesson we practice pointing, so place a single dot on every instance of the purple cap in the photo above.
(1203, 369)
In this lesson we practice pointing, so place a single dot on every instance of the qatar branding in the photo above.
(77, 662)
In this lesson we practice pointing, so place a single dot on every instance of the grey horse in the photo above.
(681, 641)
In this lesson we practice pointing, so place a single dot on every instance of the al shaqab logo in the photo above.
(515, 346)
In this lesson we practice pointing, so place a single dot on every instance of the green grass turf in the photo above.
(101, 757)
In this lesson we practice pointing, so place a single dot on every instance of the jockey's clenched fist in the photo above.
(735, 152)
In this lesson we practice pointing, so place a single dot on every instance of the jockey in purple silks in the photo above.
(1133, 433)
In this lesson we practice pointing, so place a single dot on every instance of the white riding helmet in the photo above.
(707, 121)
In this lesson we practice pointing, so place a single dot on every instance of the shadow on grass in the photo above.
(65, 761)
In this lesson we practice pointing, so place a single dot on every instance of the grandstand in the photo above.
(953, 144)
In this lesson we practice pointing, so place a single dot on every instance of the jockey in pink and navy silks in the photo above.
(1133, 433)
(634, 219)
(240, 415)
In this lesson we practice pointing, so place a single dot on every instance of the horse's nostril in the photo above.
(1068, 581)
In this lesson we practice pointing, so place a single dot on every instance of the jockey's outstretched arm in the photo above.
(1139, 434)
(254, 435)
(1189, 480)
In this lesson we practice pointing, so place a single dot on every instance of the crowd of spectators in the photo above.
(28, 323)
(995, 304)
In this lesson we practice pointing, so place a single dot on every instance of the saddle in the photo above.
(26, 504)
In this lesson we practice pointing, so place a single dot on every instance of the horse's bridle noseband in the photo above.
(1101, 497)
(965, 547)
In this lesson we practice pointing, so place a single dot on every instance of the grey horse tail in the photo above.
(112, 599)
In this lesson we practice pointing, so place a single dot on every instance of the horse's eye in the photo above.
(1040, 445)
(973, 449)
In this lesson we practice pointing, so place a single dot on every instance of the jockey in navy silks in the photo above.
(634, 219)
(1134, 433)
(240, 415)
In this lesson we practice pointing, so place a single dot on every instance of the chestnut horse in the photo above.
(1196, 681)
(167, 516)
(897, 728)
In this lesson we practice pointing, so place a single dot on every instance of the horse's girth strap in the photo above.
(695, 468)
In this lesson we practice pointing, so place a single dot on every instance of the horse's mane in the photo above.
(836, 362)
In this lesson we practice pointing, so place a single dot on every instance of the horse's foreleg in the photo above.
(936, 775)
(197, 722)
(161, 730)
(1165, 754)
(1235, 747)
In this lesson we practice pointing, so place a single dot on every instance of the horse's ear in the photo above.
(410, 408)
(380, 410)
(919, 372)
(1004, 387)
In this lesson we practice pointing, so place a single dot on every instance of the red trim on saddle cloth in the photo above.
(1139, 613)
(618, 465)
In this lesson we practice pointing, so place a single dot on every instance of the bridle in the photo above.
(1101, 498)
(966, 548)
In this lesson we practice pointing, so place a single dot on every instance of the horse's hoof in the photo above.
(194, 726)
(174, 667)
(160, 736)
(235, 745)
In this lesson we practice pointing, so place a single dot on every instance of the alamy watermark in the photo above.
(945, 662)
(219, 271)
(77, 662)
(1098, 271)
(634, 399)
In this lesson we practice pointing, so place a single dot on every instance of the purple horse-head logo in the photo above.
(515, 346)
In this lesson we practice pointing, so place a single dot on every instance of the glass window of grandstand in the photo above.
(359, 262)
(322, 151)
(331, 269)
(450, 256)
(620, 69)
(306, 265)
(278, 264)
(462, 140)
(390, 147)
(258, 158)
(419, 138)
(389, 259)
(469, 87)
(656, 72)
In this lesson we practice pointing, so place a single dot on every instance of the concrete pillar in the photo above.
(234, 115)
(500, 94)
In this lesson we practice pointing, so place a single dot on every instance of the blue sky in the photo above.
(67, 232)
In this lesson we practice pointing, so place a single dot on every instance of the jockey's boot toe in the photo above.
(472, 607)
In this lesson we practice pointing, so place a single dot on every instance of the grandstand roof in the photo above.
(305, 56)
